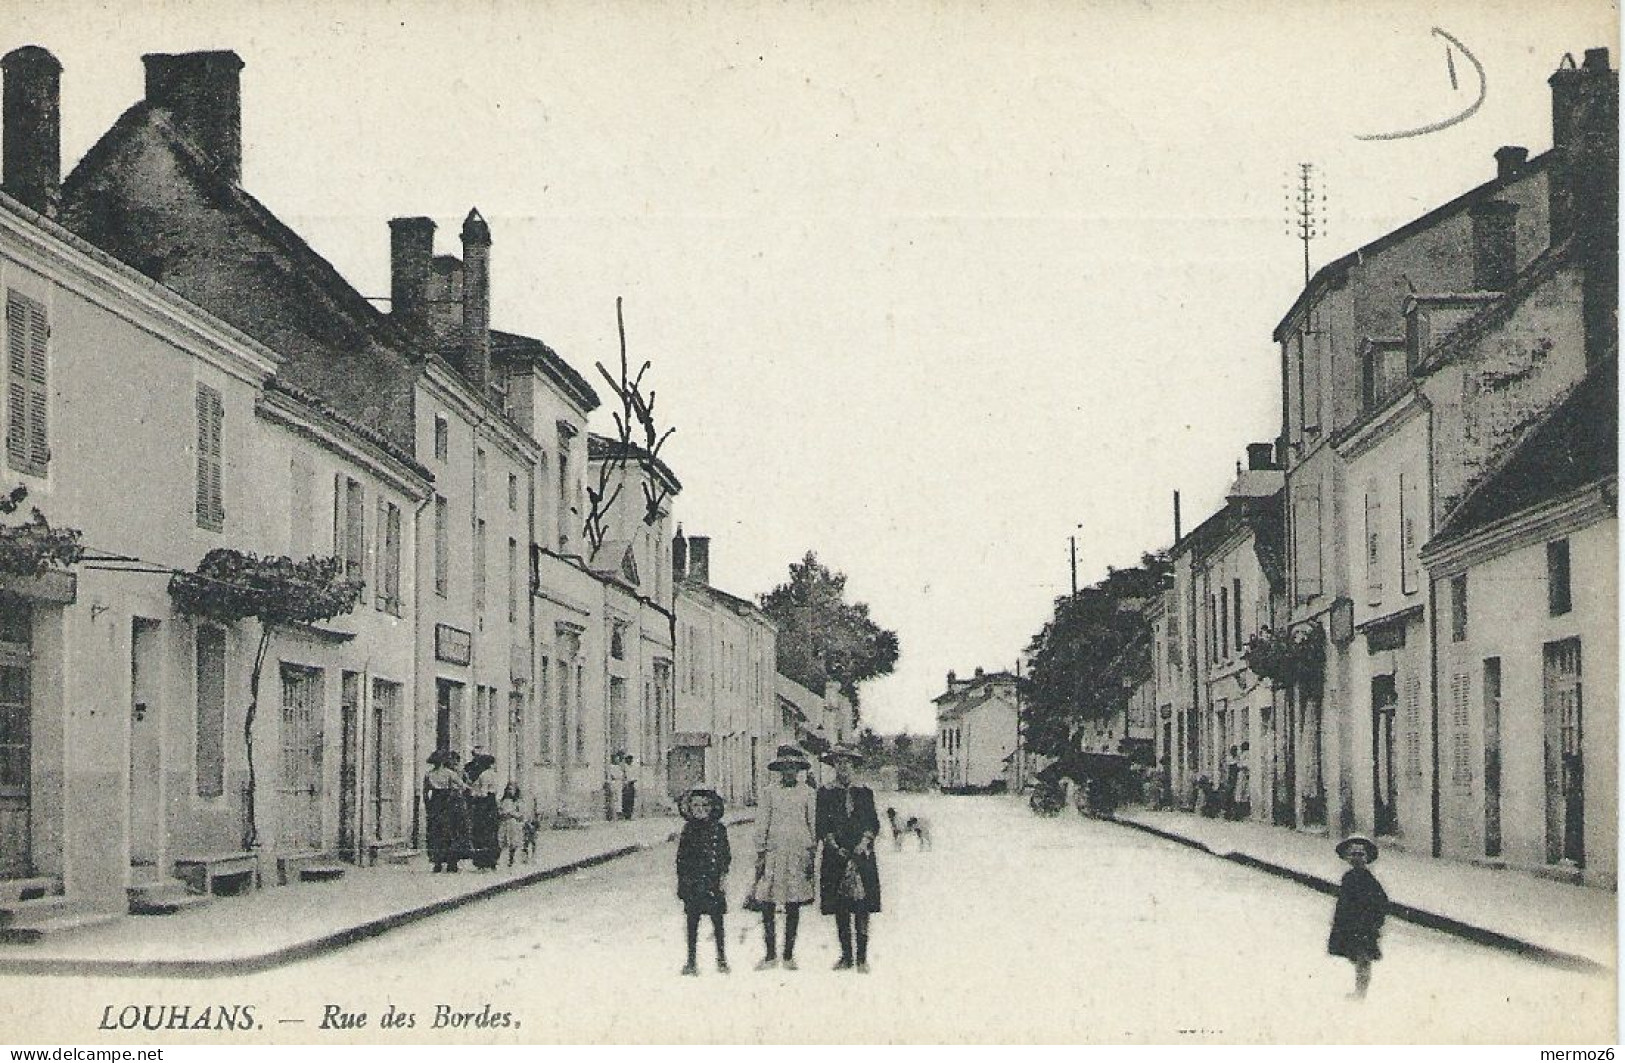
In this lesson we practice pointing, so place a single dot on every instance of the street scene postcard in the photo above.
(757, 522)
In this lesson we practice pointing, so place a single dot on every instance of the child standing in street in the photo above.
(703, 859)
(1361, 908)
(511, 829)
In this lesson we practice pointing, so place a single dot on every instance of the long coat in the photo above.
(1357, 921)
(446, 810)
(703, 859)
(786, 845)
(845, 816)
(483, 821)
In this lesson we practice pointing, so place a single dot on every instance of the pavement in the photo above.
(278, 925)
(1518, 911)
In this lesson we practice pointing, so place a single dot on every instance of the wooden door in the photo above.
(146, 767)
(1565, 769)
(16, 740)
(301, 760)
(1384, 777)
(1492, 756)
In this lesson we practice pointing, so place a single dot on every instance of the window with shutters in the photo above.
(211, 416)
(1306, 547)
(513, 493)
(1373, 545)
(27, 398)
(1410, 542)
(1559, 598)
(1224, 622)
(545, 718)
(442, 437)
(349, 526)
(211, 711)
(513, 580)
(1235, 605)
(389, 558)
(442, 546)
(479, 565)
(301, 506)
(1461, 761)
(1412, 735)
(1458, 608)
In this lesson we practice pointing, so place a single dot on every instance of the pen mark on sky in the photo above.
(1434, 127)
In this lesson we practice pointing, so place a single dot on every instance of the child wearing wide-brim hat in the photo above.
(1362, 906)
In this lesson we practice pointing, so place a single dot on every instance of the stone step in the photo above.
(399, 856)
(37, 929)
(26, 889)
(322, 872)
(22, 913)
(164, 899)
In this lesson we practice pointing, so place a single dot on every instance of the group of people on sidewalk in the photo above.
(809, 845)
(466, 818)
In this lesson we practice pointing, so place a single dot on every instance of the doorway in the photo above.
(448, 713)
(146, 763)
(16, 739)
(301, 760)
(1492, 756)
(349, 780)
(1384, 776)
(1565, 769)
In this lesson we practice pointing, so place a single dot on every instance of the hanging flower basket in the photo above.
(1290, 659)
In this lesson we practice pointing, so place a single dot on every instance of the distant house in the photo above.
(978, 721)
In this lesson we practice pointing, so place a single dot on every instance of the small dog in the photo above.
(918, 826)
(533, 827)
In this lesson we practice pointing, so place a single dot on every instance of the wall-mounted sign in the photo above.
(452, 644)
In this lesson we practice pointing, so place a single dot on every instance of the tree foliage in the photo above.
(230, 586)
(33, 548)
(1088, 656)
(822, 636)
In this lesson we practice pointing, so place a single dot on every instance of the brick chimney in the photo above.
(202, 93)
(679, 556)
(477, 301)
(32, 137)
(699, 559)
(1495, 245)
(411, 251)
(1260, 456)
(1585, 138)
(1510, 161)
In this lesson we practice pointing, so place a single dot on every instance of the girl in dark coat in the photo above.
(849, 879)
(1361, 908)
(445, 810)
(703, 859)
(484, 820)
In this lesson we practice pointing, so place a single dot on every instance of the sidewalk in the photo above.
(1573, 926)
(282, 924)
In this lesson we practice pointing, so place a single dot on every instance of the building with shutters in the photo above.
(978, 732)
(728, 692)
(122, 720)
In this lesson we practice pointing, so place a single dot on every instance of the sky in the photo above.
(929, 288)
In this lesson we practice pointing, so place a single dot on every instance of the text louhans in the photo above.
(178, 1017)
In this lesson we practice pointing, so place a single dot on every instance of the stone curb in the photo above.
(303, 950)
(1408, 912)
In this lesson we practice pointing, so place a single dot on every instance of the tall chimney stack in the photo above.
(699, 559)
(1176, 518)
(411, 250)
(202, 93)
(477, 301)
(32, 137)
(1510, 161)
(679, 556)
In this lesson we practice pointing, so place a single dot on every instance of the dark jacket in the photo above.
(703, 859)
(844, 817)
(1357, 921)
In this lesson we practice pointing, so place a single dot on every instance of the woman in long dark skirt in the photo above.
(484, 818)
(849, 879)
(445, 811)
(1362, 905)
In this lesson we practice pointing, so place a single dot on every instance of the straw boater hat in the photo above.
(842, 752)
(1361, 840)
(789, 758)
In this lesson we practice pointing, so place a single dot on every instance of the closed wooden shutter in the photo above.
(27, 397)
(392, 551)
(1373, 545)
(1306, 539)
(1410, 545)
(211, 508)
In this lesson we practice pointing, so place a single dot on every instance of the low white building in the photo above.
(978, 731)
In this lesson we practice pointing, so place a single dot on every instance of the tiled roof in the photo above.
(1577, 444)
(148, 196)
(514, 346)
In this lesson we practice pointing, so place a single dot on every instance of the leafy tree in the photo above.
(822, 636)
(33, 547)
(1083, 660)
(871, 745)
(230, 586)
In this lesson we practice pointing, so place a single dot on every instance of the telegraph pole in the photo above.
(1306, 206)
(1074, 540)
